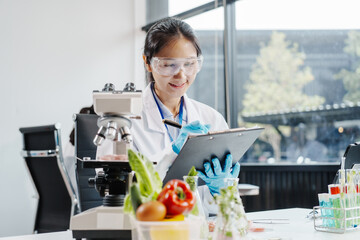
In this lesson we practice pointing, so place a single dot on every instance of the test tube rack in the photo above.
(336, 220)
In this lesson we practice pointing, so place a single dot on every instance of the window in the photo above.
(296, 72)
(176, 6)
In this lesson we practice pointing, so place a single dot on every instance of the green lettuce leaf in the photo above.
(127, 205)
(148, 179)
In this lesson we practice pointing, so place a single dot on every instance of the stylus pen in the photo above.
(172, 123)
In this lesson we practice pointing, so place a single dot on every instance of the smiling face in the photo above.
(169, 88)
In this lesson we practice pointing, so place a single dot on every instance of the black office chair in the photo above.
(43, 156)
(85, 131)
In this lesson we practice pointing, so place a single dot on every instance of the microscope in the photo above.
(116, 109)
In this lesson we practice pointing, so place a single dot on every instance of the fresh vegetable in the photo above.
(191, 181)
(192, 171)
(177, 197)
(197, 210)
(135, 196)
(151, 211)
(175, 218)
(148, 179)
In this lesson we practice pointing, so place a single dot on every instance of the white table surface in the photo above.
(299, 227)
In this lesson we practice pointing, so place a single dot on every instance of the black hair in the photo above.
(162, 33)
(85, 110)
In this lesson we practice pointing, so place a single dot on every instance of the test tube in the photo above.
(357, 188)
(326, 212)
(335, 193)
(347, 205)
(342, 176)
(351, 197)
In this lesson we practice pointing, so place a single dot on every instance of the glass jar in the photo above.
(231, 221)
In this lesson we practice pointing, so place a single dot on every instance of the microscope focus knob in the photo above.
(91, 182)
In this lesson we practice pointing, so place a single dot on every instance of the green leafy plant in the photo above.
(192, 183)
(148, 180)
(231, 213)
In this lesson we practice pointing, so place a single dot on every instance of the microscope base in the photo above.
(102, 223)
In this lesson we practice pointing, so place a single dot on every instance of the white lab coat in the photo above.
(150, 136)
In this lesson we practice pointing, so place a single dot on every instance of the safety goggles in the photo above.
(171, 66)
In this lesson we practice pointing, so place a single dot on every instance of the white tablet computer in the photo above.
(200, 148)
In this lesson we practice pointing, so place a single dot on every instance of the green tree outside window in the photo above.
(278, 77)
(276, 83)
(351, 78)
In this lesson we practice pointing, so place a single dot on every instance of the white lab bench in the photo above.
(299, 227)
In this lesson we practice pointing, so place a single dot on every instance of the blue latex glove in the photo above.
(193, 127)
(214, 179)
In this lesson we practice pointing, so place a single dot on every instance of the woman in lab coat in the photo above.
(172, 58)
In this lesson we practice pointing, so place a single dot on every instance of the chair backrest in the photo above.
(43, 156)
(85, 130)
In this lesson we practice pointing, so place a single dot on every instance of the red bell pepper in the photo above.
(177, 197)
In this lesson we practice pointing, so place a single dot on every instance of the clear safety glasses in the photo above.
(171, 66)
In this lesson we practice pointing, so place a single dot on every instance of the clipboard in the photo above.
(201, 148)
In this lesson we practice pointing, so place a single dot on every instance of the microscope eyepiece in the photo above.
(109, 87)
(130, 87)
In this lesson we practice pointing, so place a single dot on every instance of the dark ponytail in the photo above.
(162, 33)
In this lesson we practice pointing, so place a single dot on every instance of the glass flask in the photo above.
(231, 221)
(197, 212)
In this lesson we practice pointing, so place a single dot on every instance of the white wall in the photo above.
(53, 53)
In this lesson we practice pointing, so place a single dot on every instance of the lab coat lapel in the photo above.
(192, 114)
(151, 111)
